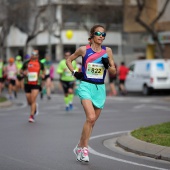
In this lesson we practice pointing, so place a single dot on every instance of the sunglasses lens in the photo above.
(97, 33)
(100, 33)
(103, 34)
(34, 53)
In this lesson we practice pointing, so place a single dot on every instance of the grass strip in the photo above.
(3, 99)
(157, 134)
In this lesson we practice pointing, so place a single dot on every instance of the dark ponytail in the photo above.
(92, 30)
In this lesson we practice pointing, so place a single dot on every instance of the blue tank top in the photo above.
(92, 67)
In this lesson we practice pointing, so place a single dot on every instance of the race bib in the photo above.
(67, 72)
(95, 70)
(11, 74)
(47, 72)
(32, 76)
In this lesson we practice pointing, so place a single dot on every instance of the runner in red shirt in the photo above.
(33, 71)
(122, 72)
(112, 83)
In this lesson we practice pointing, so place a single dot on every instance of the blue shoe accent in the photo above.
(10, 97)
(71, 106)
(67, 108)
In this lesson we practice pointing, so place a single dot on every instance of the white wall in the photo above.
(106, 2)
(81, 37)
(16, 38)
(166, 15)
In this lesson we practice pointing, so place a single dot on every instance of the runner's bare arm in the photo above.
(79, 52)
(23, 70)
(112, 68)
(43, 74)
(43, 71)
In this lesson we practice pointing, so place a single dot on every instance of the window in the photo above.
(131, 68)
(114, 49)
(84, 14)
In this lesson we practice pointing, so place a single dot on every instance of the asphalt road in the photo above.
(48, 143)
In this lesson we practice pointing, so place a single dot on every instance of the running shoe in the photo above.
(41, 95)
(77, 152)
(10, 97)
(15, 94)
(49, 97)
(36, 111)
(71, 106)
(31, 119)
(84, 157)
(67, 108)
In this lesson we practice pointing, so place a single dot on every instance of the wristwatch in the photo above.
(73, 72)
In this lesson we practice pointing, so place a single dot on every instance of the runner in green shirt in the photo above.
(1, 75)
(67, 81)
(43, 88)
(20, 78)
(47, 79)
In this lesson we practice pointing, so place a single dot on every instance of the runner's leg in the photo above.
(48, 87)
(1, 87)
(10, 90)
(89, 123)
(70, 97)
(34, 94)
(28, 97)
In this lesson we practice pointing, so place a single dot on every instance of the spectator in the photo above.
(112, 83)
(1, 75)
(122, 72)
(11, 71)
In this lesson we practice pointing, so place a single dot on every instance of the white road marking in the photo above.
(117, 159)
(160, 107)
(152, 107)
(131, 99)
(139, 106)
(14, 107)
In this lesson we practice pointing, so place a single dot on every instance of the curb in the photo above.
(131, 144)
(167, 99)
(6, 104)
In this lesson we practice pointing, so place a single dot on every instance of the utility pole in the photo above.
(49, 29)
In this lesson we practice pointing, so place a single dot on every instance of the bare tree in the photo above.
(33, 22)
(37, 24)
(26, 16)
(4, 26)
(151, 28)
(12, 13)
(32, 19)
(95, 12)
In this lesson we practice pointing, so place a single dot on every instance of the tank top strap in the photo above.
(88, 46)
(103, 47)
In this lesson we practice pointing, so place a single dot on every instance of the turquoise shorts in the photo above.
(94, 92)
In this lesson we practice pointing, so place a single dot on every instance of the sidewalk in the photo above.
(5, 104)
(134, 145)
(167, 99)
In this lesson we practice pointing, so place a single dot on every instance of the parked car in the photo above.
(148, 75)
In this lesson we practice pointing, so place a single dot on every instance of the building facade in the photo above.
(76, 17)
(125, 36)
(151, 10)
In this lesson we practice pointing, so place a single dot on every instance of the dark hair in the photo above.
(67, 51)
(92, 30)
(122, 63)
(94, 27)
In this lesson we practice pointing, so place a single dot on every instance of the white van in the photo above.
(148, 75)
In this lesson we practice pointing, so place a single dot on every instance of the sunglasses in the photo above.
(34, 54)
(100, 33)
